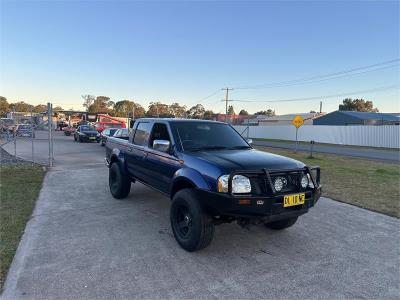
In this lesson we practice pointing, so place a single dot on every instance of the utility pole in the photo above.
(320, 107)
(226, 102)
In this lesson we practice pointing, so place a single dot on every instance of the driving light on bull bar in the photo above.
(304, 181)
(279, 183)
(240, 184)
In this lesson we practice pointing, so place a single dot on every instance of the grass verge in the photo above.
(19, 189)
(369, 184)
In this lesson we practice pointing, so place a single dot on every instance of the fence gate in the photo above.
(27, 137)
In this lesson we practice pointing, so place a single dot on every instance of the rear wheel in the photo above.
(119, 184)
(192, 227)
(282, 224)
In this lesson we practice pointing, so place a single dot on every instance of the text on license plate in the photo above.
(92, 137)
(292, 200)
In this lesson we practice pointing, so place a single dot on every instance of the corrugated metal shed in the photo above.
(357, 118)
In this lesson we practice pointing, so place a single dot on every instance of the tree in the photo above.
(57, 108)
(196, 112)
(102, 104)
(4, 106)
(88, 101)
(269, 112)
(124, 108)
(177, 110)
(40, 108)
(357, 105)
(243, 113)
(208, 115)
(313, 112)
(21, 106)
(158, 110)
(231, 110)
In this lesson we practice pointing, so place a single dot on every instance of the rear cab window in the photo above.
(141, 134)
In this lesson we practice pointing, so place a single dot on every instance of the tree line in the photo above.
(125, 108)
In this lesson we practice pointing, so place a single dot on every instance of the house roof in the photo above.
(371, 115)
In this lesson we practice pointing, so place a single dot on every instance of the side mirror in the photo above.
(249, 141)
(161, 145)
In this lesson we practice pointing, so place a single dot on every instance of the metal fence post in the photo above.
(32, 136)
(15, 144)
(49, 125)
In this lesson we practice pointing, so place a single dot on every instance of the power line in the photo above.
(329, 76)
(379, 89)
(209, 96)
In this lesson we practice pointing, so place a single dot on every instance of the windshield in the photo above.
(197, 136)
(87, 128)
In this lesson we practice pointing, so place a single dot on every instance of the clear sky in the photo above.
(184, 51)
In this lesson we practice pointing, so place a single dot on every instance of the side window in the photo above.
(141, 134)
(159, 132)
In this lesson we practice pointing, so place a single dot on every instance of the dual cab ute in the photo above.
(212, 175)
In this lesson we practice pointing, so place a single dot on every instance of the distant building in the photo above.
(234, 119)
(344, 118)
(287, 119)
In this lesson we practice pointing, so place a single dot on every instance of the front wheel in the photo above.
(192, 227)
(120, 185)
(282, 224)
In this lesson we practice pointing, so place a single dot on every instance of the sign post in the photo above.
(297, 122)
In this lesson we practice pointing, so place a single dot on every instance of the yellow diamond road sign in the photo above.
(298, 121)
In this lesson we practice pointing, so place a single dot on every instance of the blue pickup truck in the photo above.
(212, 175)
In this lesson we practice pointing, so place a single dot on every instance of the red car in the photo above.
(100, 126)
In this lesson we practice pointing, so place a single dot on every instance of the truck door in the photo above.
(136, 152)
(161, 166)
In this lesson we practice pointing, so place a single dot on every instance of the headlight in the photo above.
(280, 183)
(240, 184)
(304, 181)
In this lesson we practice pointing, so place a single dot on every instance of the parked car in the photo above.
(100, 126)
(69, 130)
(7, 126)
(122, 133)
(212, 175)
(105, 134)
(86, 133)
(24, 130)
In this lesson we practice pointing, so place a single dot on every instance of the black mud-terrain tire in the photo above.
(193, 228)
(119, 184)
(282, 224)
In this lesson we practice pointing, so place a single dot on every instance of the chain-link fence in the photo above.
(27, 138)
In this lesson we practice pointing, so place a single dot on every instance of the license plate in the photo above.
(293, 200)
(92, 137)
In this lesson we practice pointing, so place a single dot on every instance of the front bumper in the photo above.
(266, 207)
(90, 139)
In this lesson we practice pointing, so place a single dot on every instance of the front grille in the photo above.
(262, 181)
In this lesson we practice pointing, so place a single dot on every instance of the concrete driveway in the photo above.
(82, 244)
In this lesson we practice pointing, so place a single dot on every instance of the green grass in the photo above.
(19, 189)
(324, 144)
(370, 184)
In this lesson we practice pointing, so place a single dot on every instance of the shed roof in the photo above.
(371, 115)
